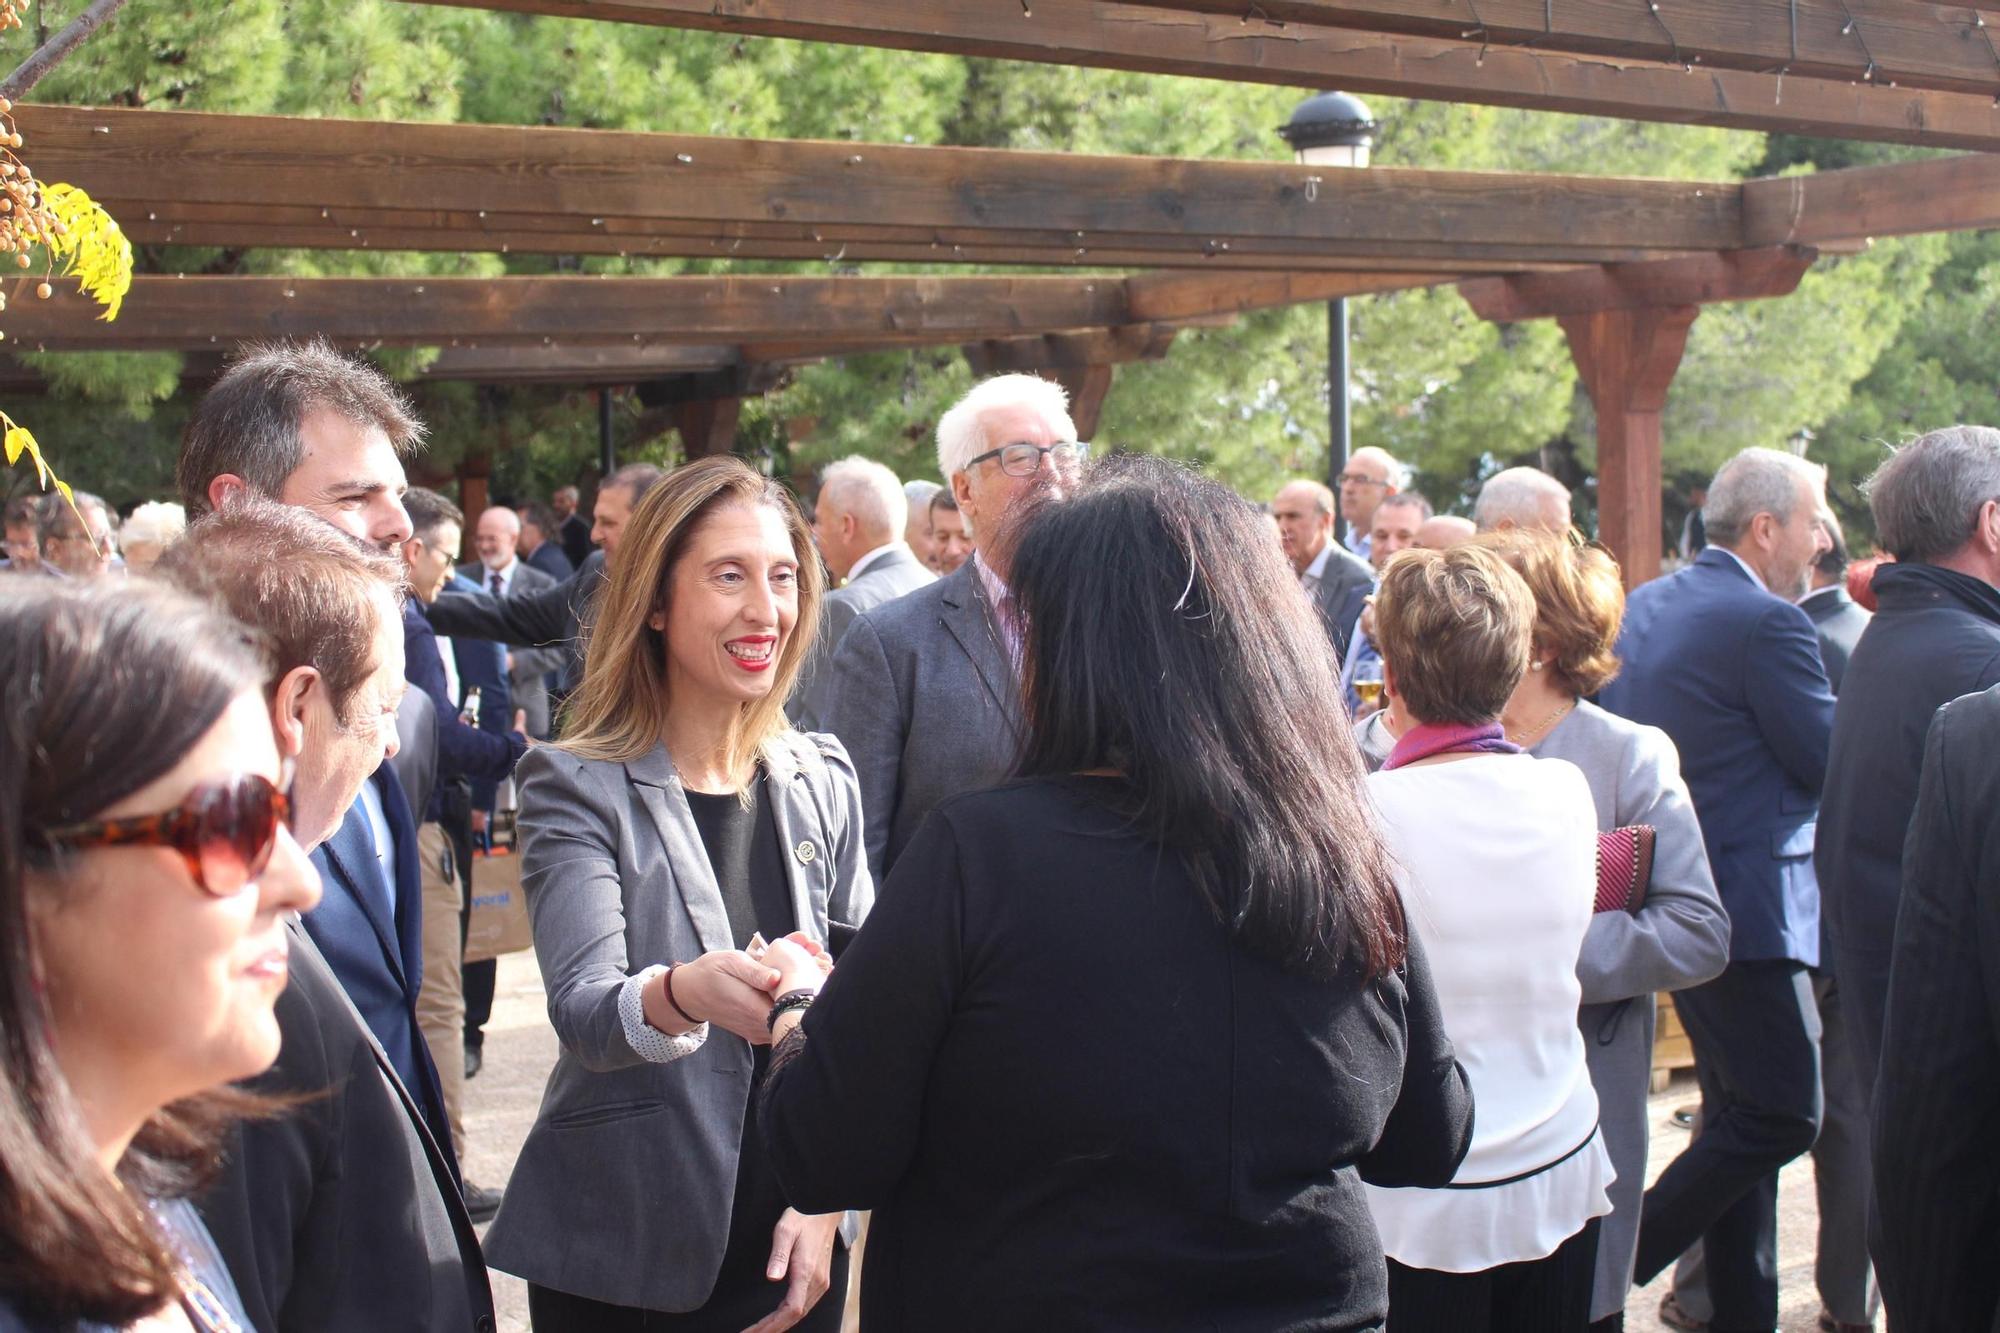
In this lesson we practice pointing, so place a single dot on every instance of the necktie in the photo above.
(493, 583)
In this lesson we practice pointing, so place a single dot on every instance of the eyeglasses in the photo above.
(1024, 460)
(1361, 479)
(224, 830)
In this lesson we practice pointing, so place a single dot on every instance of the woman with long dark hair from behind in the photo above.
(1123, 1037)
(145, 867)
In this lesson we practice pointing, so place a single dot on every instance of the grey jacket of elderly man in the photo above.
(623, 1188)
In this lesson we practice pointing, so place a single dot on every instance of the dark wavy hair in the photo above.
(107, 686)
(1167, 638)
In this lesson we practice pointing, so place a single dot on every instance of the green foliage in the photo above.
(1871, 347)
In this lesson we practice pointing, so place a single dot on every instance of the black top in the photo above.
(1935, 636)
(742, 844)
(343, 1214)
(743, 848)
(1937, 1178)
(1074, 1102)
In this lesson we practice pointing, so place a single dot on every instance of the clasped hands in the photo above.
(733, 988)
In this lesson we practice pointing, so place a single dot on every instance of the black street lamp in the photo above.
(1333, 130)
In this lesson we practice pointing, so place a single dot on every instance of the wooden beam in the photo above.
(633, 319)
(1895, 199)
(1100, 201)
(1888, 41)
(151, 221)
(1071, 351)
(1154, 40)
(164, 312)
(1177, 296)
(1737, 275)
(1626, 359)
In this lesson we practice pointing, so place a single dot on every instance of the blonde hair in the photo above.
(1579, 603)
(620, 711)
(1454, 628)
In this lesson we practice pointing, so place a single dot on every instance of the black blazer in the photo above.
(343, 1215)
(534, 619)
(1074, 1102)
(1838, 621)
(1937, 1178)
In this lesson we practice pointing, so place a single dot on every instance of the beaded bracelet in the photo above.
(799, 1000)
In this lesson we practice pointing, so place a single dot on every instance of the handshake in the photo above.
(734, 988)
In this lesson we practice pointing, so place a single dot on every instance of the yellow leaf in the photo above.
(92, 245)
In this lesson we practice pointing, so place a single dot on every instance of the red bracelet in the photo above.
(674, 1004)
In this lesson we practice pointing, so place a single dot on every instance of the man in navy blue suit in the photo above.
(1719, 657)
(344, 1216)
(481, 754)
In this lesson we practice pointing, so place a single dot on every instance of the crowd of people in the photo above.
(1070, 894)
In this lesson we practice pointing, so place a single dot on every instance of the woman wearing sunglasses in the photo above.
(145, 871)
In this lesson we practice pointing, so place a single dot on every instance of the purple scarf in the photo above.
(1435, 738)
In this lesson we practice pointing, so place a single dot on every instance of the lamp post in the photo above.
(1333, 130)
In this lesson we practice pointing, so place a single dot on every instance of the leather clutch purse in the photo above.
(1624, 868)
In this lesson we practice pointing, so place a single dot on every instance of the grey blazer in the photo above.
(927, 703)
(1837, 621)
(622, 1191)
(1680, 938)
(527, 679)
(892, 575)
(1343, 589)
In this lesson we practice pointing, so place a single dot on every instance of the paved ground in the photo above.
(520, 1048)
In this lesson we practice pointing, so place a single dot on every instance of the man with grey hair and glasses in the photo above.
(925, 689)
(1719, 657)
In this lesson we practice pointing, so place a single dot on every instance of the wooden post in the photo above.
(1627, 325)
(1087, 387)
(707, 425)
(1626, 359)
(473, 471)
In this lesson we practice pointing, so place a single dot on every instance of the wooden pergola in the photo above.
(1133, 249)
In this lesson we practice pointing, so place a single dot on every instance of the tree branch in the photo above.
(52, 52)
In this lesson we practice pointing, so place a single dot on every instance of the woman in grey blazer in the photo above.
(680, 818)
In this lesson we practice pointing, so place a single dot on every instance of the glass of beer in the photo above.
(1369, 692)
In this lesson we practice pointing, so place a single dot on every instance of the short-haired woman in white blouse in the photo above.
(1498, 854)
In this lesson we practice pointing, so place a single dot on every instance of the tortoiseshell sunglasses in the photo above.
(223, 830)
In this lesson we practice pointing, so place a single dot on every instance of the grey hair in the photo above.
(1926, 498)
(1756, 481)
(154, 523)
(919, 492)
(870, 492)
(1407, 500)
(960, 438)
(1516, 495)
(1398, 471)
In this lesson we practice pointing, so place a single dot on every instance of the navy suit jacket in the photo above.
(549, 558)
(474, 753)
(378, 956)
(1733, 675)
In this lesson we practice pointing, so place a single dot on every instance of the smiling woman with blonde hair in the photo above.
(680, 818)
